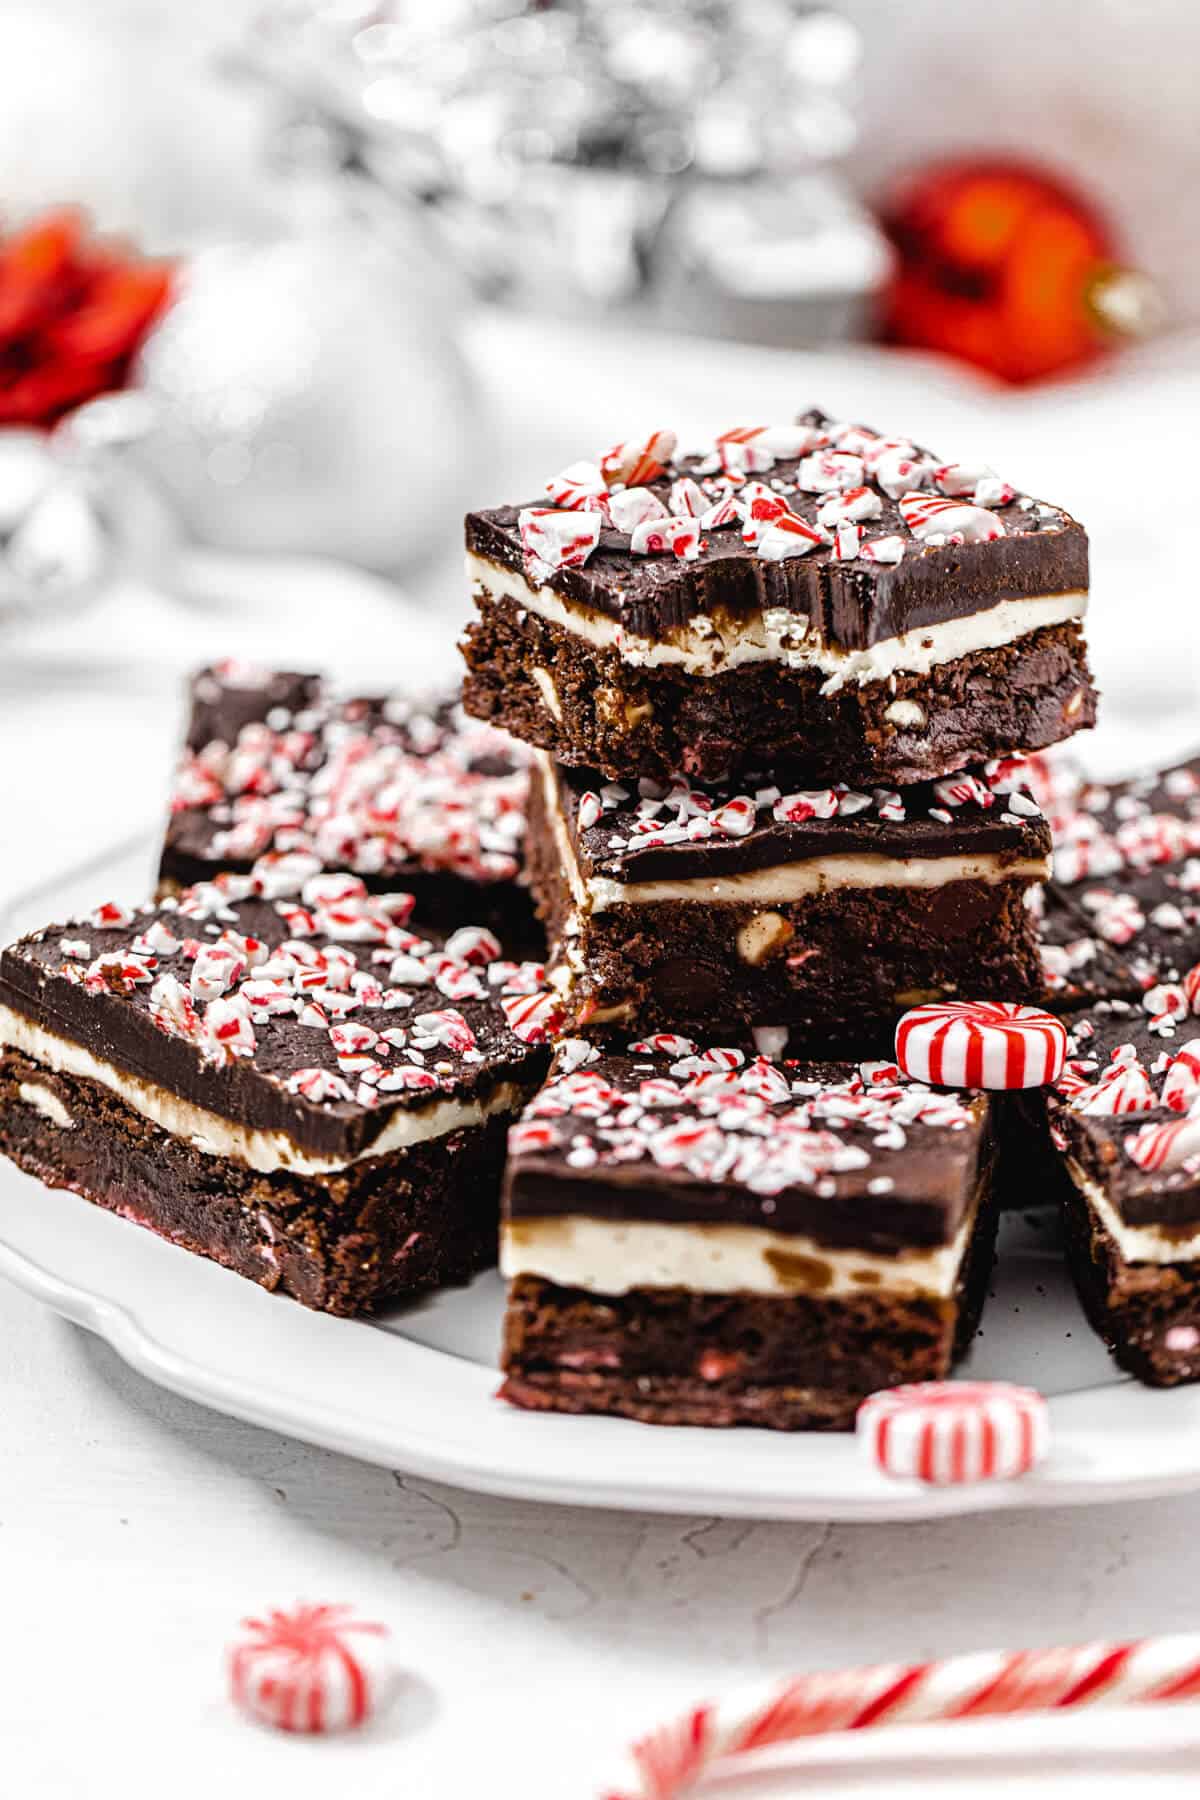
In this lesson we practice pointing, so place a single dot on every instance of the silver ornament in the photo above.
(308, 396)
(71, 518)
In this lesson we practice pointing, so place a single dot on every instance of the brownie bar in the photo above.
(827, 911)
(404, 793)
(815, 597)
(707, 1237)
(274, 1071)
(1122, 915)
(1124, 1125)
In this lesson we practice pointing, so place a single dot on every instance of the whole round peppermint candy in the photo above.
(981, 1044)
(315, 1669)
(951, 1432)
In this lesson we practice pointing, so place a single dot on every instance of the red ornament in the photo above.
(73, 313)
(1009, 269)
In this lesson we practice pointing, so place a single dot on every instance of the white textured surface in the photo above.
(135, 1526)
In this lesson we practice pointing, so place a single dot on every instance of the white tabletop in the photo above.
(136, 1528)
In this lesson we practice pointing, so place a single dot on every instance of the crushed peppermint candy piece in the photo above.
(846, 541)
(883, 550)
(856, 504)
(788, 536)
(656, 537)
(637, 461)
(631, 507)
(579, 488)
(559, 540)
(687, 499)
(929, 516)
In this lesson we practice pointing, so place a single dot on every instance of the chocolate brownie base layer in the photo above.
(837, 967)
(670, 1357)
(344, 1243)
(1147, 1313)
(587, 706)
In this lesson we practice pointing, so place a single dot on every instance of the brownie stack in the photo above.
(778, 690)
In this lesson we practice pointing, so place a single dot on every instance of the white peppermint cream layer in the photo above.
(704, 647)
(781, 882)
(1137, 1243)
(212, 1135)
(606, 1256)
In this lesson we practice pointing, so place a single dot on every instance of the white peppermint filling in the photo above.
(781, 882)
(703, 647)
(1136, 1243)
(212, 1135)
(608, 1256)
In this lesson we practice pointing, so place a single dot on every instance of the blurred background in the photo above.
(287, 285)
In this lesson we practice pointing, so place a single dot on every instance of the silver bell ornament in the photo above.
(308, 397)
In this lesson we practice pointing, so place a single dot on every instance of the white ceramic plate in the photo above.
(416, 1389)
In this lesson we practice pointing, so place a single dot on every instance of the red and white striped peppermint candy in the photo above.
(473, 944)
(1164, 1147)
(883, 550)
(1191, 987)
(578, 488)
(794, 809)
(759, 509)
(664, 1043)
(110, 916)
(928, 515)
(899, 469)
(228, 1027)
(173, 1010)
(590, 809)
(629, 464)
(216, 968)
(532, 1017)
(736, 818)
(724, 512)
(788, 536)
(656, 537)
(561, 540)
(981, 1044)
(1182, 1083)
(950, 1432)
(1123, 1087)
(855, 504)
(633, 506)
(846, 541)
(687, 499)
(318, 1085)
(314, 1669)
(830, 471)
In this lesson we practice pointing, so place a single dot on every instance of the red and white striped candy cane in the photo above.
(981, 1043)
(668, 1762)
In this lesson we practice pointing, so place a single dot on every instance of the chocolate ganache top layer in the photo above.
(288, 1000)
(664, 1129)
(645, 830)
(382, 785)
(892, 537)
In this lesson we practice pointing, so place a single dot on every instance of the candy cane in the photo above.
(667, 1763)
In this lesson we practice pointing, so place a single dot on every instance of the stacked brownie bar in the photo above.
(302, 1060)
(778, 688)
(1122, 949)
